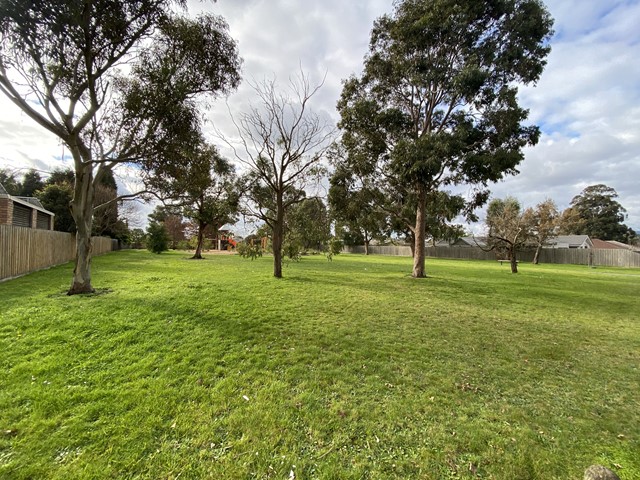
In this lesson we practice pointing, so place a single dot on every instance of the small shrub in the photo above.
(249, 250)
(157, 238)
(293, 249)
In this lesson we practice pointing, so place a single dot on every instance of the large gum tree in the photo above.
(117, 81)
(436, 105)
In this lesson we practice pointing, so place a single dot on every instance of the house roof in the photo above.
(623, 245)
(608, 244)
(30, 202)
(463, 241)
(572, 241)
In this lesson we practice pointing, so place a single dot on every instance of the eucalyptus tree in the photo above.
(63, 64)
(308, 226)
(212, 194)
(281, 145)
(597, 213)
(356, 206)
(436, 105)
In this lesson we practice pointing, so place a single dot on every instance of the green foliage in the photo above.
(480, 374)
(357, 204)
(137, 238)
(207, 243)
(293, 249)
(56, 197)
(335, 247)
(105, 215)
(31, 183)
(307, 225)
(157, 239)
(9, 181)
(436, 104)
(249, 249)
(597, 213)
(210, 192)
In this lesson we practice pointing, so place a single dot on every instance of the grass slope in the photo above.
(342, 370)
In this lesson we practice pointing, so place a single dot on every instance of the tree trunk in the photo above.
(536, 256)
(514, 261)
(82, 212)
(277, 250)
(366, 247)
(419, 234)
(412, 243)
(278, 234)
(198, 254)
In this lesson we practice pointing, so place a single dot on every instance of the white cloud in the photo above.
(587, 101)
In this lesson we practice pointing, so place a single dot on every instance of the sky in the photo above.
(587, 102)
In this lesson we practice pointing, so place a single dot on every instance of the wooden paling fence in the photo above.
(25, 250)
(593, 256)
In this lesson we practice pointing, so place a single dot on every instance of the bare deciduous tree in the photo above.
(542, 222)
(507, 229)
(281, 144)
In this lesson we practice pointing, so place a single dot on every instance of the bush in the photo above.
(157, 238)
(293, 249)
(249, 250)
(335, 247)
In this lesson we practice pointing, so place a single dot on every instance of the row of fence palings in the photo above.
(576, 256)
(24, 250)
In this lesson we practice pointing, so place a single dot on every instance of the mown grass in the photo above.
(342, 370)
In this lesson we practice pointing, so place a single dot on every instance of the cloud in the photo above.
(587, 101)
(587, 104)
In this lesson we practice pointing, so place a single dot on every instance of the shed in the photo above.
(24, 212)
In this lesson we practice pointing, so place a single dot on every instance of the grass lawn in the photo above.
(341, 370)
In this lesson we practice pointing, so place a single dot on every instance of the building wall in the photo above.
(28, 216)
(6, 211)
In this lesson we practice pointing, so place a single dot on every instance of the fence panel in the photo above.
(574, 256)
(25, 250)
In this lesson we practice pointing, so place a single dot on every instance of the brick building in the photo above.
(24, 212)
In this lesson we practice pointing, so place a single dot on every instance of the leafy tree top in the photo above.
(598, 214)
(437, 99)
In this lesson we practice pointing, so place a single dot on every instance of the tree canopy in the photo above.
(436, 105)
(61, 64)
(597, 213)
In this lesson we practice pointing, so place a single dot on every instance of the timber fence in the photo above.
(576, 256)
(25, 250)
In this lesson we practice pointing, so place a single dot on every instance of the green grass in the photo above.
(346, 370)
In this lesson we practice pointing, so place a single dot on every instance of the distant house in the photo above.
(24, 212)
(569, 241)
(617, 245)
(463, 242)
(609, 245)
